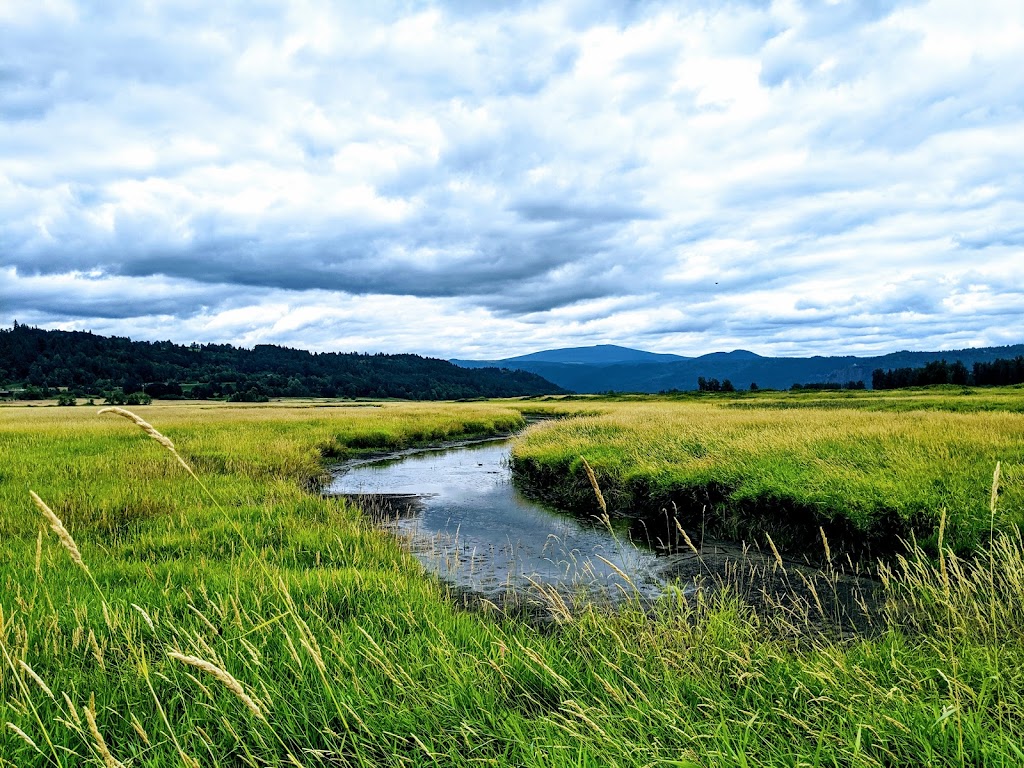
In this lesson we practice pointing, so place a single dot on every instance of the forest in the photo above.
(997, 373)
(36, 362)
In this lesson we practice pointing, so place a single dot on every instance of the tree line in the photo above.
(37, 363)
(714, 385)
(998, 373)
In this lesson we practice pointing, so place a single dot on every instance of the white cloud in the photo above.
(481, 181)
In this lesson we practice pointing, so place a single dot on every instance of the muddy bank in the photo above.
(792, 567)
(708, 513)
(793, 597)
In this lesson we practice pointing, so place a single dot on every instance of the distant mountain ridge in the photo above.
(638, 371)
(600, 354)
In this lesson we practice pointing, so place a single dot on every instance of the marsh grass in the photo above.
(355, 658)
(868, 477)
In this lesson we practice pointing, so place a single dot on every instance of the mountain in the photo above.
(741, 367)
(38, 360)
(601, 354)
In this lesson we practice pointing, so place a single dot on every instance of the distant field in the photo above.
(97, 474)
(239, 619)
(868, 466)
(939, 398)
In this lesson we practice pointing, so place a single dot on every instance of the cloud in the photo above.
(558, 210)
(78, 296)
(796, 176)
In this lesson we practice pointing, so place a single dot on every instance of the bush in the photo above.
(114, 397)
(118, 397)
(252, 395)
(33, 393)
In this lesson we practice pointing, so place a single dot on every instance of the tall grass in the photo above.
(870, 475)
(349, 655)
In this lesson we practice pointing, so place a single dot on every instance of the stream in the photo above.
(458, 512)
(460, 515)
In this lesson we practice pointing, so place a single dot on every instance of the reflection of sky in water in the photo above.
(476, 530)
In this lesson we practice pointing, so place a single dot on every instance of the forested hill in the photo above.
(636, 371)
(35, 360)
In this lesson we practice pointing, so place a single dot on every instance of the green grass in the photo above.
(865, 466)
(354, 657)
(938, 398)
(946, 397)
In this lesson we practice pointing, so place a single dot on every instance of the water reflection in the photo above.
(464, 520)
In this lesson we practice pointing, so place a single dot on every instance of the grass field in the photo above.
(868, 467)
(259, 624)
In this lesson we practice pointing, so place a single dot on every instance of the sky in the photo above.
(486, 179)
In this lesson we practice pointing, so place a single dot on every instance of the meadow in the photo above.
(236, 617)
(868, 468)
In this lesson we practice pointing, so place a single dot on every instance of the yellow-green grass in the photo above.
(871, 473)
(250, 452)
(940, 398)
(349, 655)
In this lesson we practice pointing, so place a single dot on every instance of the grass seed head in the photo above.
(23, 736)
(39, 681)
(62, 533)
(593, 484)
(152, 431)
(144, 425)
(224, 676)
(824, 541)
(109, 761)
(72, 709)
(994, 498)
(686, 538)
(775, 551)
(145, 616)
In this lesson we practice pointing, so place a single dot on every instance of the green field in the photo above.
(871, 468)
(241, 619)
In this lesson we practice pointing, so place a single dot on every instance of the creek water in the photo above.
(461, 516)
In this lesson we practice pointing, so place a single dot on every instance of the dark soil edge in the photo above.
(710, 512)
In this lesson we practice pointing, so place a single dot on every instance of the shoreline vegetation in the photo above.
(242, 619)
(871, 471)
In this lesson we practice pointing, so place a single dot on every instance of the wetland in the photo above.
(221, 610)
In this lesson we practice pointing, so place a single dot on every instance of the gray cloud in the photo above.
(557, 210)
(1012, 237)
(787, 177)
(84, 297)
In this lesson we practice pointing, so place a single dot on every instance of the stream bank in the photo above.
(458, 511)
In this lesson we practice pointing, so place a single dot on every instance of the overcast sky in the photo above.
(794, 177)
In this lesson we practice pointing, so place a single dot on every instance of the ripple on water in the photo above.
(464, 520)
